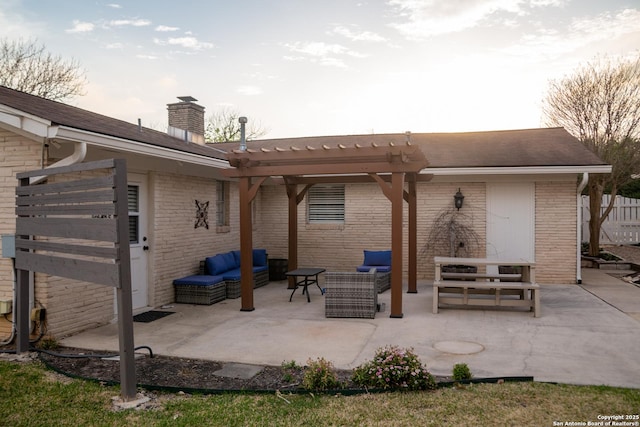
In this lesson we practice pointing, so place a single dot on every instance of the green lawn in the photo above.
(30, 395)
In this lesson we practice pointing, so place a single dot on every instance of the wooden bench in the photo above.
(487, 289)
(491, 277)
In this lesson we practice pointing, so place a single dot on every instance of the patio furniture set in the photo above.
(219, 278)
(355, 294)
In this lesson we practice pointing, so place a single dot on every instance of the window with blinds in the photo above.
(133, 202)
(222, 203)
(325, 204)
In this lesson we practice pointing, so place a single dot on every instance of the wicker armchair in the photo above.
(381, 261)
(351, 294)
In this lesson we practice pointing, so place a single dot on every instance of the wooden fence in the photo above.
(622, 225)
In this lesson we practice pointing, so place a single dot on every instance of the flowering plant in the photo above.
(394, 368)
(320, 375)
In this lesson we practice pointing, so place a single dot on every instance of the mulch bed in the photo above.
(190, 375)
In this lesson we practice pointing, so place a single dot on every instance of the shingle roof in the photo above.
(507, 148)
(77, 118)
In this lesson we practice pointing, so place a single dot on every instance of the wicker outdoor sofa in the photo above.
(219, 278)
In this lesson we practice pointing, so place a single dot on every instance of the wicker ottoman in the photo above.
(200, 289)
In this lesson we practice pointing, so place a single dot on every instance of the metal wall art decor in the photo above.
(202, 215)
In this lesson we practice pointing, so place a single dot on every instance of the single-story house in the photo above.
(520, 191)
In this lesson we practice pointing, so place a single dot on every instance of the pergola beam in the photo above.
(342, 179)
(323, 169)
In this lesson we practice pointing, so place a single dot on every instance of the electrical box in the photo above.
(6, 305)
(8, 246)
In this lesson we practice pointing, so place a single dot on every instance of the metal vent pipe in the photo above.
(243, 141)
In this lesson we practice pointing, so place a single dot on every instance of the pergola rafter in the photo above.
(389, 165)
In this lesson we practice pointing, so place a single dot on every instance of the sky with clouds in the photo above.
(331, 67)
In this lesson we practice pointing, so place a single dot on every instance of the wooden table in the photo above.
(472, 288)
(310, 277)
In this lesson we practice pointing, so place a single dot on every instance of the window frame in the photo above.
(326, 204)
(222, 205)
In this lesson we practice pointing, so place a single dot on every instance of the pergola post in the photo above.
(246, 245)
(292, 193)
(397, 201)
(294, 201)
(413, 236)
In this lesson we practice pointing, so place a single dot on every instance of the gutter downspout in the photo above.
(583, 183)
(78, 155)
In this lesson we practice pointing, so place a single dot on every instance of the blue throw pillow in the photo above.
(236, 257)
(216, 265)
(259, 257)
(230, 260)
(377, 258)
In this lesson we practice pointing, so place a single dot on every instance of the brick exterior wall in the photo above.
(556, 245)
(72, 306)
(368, 219)
(436, 198)
(17, 154)
(177, 245)
(367, 225)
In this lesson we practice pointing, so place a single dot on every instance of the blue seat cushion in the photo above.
(260, 257)
(231, 274)
(235, 273)
(375, 258)
(198, 280)
(379, 268)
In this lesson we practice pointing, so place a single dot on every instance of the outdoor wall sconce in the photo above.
(458, 198)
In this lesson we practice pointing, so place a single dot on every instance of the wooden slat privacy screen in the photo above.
(77, 226)
(59, 223)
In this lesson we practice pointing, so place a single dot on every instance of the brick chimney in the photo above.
(186, 120)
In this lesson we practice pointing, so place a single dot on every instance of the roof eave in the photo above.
(27, 125)
(135, 147)
(519, 170)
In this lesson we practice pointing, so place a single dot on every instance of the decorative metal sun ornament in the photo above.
(202, 214)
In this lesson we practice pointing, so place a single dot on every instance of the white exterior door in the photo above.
(138, 241)
(511, 221)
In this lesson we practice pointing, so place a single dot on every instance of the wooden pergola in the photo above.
(389, 165)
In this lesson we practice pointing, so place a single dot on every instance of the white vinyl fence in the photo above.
(622, 225)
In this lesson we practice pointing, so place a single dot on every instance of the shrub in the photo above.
(48, 343)
(461, 372)
(291, 368)
(394, 368)
(320, 375)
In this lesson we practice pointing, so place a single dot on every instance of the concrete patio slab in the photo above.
(580, 338)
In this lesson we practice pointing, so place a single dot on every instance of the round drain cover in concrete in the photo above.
(458, 347)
